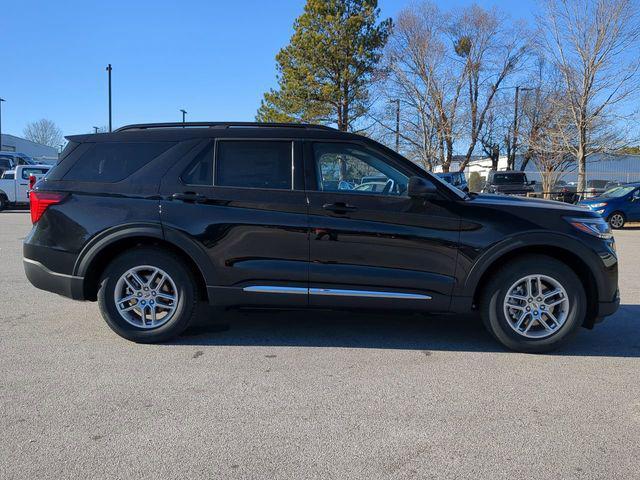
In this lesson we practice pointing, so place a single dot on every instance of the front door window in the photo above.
(351, 169)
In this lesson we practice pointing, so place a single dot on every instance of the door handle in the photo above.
(191, 197)
(339, 207)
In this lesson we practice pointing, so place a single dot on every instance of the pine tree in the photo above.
(325, 72)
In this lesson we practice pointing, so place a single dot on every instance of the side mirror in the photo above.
(421, 188)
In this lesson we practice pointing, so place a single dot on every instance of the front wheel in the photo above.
(534, 304)
(147, 295)
(617, 220)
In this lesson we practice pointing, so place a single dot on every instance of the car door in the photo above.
(377, 249)
(243, 203)
(634, 206)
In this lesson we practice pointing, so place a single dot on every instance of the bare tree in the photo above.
(44, 132)
(544, 121)
(418, 74)
(593, 44)
(492, 50)
(447, 71)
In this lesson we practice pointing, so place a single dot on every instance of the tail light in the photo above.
(40, 201)
(32, 181)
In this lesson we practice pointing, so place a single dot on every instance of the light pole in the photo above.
(1, 100)
(397, 102)
(95, 129)
(514, 144)
(184, 113)
(109, 73)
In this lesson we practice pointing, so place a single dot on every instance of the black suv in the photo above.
(153, 218)
(508, 183)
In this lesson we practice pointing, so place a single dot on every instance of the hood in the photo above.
(593, 200)
(507, 201)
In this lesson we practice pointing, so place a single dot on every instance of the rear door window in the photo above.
(254, 164)
(113, 162)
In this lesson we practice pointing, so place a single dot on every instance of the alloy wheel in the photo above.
(616, 220)
(536, 306)
(146, 297)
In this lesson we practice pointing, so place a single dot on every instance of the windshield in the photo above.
(504, 178)
(617, 192)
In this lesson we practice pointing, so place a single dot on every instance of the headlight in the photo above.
(597, 227)
(597, 205)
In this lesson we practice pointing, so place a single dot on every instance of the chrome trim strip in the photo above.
(367, 293)
(276, 289)
(334, 292)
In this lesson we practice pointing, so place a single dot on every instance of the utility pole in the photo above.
(109, 73)
(1, 100)
(95, 129)
(184, 113)
(512, 160)
(397, 102)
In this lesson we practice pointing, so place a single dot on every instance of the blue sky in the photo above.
(213, 58)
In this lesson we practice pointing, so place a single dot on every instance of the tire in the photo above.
(617, 220)
(3, 203)
(172, 317)
(538, 339)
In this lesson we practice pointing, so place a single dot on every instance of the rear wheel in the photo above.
(147, 295)
(534, 304)
(3, 203)
(617, 220)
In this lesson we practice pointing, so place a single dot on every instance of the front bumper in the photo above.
(607, 308)
(43, 278)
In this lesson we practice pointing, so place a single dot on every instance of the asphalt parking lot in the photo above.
(293, 395)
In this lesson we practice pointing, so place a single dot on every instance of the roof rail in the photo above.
(145, 126)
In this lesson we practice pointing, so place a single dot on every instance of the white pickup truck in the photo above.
(14, 184)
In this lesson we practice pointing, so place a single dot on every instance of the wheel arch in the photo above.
(97, 254)
(569, 253)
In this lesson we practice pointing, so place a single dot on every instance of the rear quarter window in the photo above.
(113, 162)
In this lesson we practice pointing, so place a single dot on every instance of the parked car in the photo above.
(508, 183)
(457, 179)
(151, 219)
(594, 188)
(15, 184)
(371, 187)
(10, 160)
(567, 193)
(618, 205)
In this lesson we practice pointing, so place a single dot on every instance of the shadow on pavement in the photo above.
(617, 336)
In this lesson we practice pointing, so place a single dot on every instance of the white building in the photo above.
(621, 168)
(11, 143)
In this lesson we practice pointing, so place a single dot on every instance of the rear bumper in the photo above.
(43, 278)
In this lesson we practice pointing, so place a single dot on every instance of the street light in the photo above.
(95, 129)
(184, 113)
(109, 73)
(1, 100)
(512, 160)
